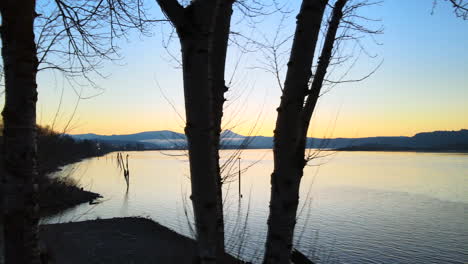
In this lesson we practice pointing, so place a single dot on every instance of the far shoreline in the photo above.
(346, 149)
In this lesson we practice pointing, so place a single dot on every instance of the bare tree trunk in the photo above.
(323, 63)
(203, 29)
(217, 47)
(292, 125)
(19, 115)
(2, 192)
(201, 145)
(2, 237)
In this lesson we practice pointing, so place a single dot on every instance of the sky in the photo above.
(421, 85)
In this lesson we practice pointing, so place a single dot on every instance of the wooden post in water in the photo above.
(240, 193)
(127, 173)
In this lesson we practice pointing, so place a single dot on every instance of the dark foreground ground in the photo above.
(118, 240)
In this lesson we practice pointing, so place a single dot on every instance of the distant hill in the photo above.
(150, 135)
(427, 141)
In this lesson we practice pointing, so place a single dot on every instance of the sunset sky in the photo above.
(422, 84)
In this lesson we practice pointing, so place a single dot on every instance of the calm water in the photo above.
(357, 207)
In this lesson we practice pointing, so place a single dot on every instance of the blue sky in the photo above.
(422, 84)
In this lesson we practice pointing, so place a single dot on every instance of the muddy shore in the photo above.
(118, 240)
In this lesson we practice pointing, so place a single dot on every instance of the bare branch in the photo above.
(173, 11)
(460, 8)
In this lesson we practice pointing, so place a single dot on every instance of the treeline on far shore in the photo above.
(56, 149)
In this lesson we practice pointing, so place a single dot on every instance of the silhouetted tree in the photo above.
(19, 134)
(301, 91)
(83, 28)
(203, 30)
(288, 158)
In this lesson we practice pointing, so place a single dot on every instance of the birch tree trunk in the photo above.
(292, 123)
(203, 29)
(19, 116)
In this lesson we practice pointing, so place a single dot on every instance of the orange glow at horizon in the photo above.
(321, 127)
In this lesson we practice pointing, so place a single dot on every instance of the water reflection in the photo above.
(358, 207)
(124, 209)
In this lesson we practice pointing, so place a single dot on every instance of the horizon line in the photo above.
(167, 130)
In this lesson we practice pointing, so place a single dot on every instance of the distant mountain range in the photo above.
(427, 141)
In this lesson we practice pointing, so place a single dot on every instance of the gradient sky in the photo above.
(422, 84)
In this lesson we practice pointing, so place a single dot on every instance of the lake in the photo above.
(356, 207)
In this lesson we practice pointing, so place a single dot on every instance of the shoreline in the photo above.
(61, 193)
(58, 194)
(364, 149)
(117, 240)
